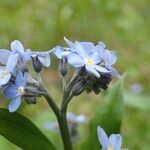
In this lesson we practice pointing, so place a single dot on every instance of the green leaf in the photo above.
(22, 132)
(108, 115)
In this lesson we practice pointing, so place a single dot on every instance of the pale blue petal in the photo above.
(12, 61)
(65, 54)
(92, 70)
(58, 51)
(4, 54)
(5, 80)
(69, 43)
(27, 56)
(45, 60)
(102, 137)
(21, 79)
(79, 48)
(101, 69)
(87, 46)
(114, 72)
(14, 104)
(100, 49)
(16, 46)
(110, 57)
(11, 91)
(75, 60)
(115, 140)
(95, 57)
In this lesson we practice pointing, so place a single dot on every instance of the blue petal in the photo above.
(100, 49)
(110, 57)
(115, 140)
(101, 69)
(16, 46)
(27, 56)
(102, 137)
(5, 80)
(45, 60)
(80, 49)
(114, 72)
(12, 61)
(92, 70)
(11, 91)
(4, 54)
(21, 79)
(14, 104)
(95, 57)
(58, 51)
(69, 43)
(75, 60)
(88, 46)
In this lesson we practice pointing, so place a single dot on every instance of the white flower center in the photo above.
(110, 148)
(3, 74)
(89, 62)
(21, 90)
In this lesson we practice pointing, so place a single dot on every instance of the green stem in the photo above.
(62, 121)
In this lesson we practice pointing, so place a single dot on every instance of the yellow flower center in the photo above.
(3, 74)
(21, 90)
(89, 62)
(110, 148)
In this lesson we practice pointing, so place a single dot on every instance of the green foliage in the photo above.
(22, 132)
(108, 115)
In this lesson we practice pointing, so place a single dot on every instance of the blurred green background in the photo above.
(122, 25)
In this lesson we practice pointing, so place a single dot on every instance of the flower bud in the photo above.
(63, 67)
(79, 87)
(37, 65)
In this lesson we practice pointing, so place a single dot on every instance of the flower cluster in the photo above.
(93, 65)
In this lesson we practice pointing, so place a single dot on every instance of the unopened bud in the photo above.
(37, 65)
(79, 87)
(63, 67)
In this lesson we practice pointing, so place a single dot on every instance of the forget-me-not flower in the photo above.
(16, 91)
(84, 54)
(113, 142)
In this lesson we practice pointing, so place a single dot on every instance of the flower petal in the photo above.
(16, 46)
(11, 91)
(80, 49)
(115, 140)
(101, 69)
(14, 104)
(4, 54)
(110, 57)
(92, 70)
(75, 60)
(95, 57)
(69, 43)
(100, 49)
(21, 79)
(5, 80)
(58, 50)
(102, 137)
(45, 60)
(114, 72)
(12, 61)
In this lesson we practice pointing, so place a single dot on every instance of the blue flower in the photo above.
(16, 91)
(85, 54)
(109, 58)
(16, 48)
(113, 142)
